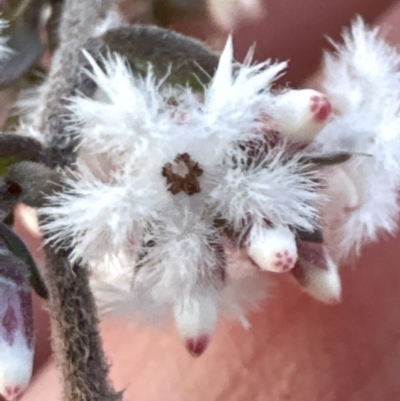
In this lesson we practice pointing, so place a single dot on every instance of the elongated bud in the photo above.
(273, 249)
(301, 114)
(317, 273)
(16, 326)
(196, 317)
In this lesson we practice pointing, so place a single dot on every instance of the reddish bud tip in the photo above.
(321, 108)
(13, 392)
(197, 345)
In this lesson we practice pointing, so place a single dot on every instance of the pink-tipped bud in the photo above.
(16, 341)
(16, 327)
(272, 249)
(301, 114)
(317, 273)
(196, 317)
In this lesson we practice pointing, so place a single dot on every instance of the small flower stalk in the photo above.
(16, 326)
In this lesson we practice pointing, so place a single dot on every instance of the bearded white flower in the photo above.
(180, 199)
(363, 84)
(164, 174)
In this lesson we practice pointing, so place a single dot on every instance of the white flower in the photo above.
(363, 84)
(163, 171)
(180, 199)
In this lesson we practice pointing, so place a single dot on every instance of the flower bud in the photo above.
(16, 326)
(273, 249)
(316, 272)
(301, 114)
(196, 317)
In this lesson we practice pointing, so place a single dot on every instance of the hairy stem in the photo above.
(77, 22)
(77, 341)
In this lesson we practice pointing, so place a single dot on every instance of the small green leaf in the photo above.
(6, 162)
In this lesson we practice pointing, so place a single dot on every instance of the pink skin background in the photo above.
(296, 349)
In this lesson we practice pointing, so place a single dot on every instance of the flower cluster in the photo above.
(181, 199)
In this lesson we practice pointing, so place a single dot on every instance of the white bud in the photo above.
(317, 273)
(272, 249)
(196, 317)
(16, 341)
(301, 114)
(16, 327)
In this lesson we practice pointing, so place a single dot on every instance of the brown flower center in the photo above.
(182, 175)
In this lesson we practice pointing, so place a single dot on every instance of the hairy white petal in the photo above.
(275, 188)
